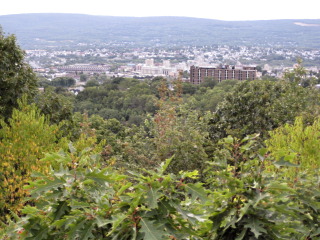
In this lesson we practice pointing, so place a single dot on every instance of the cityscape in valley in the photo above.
(161, 46)
(167, 62)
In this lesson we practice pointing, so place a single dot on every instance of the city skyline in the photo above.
(232, 10)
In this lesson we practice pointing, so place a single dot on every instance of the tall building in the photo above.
(149, 62)
(198, 74)
(166, 63)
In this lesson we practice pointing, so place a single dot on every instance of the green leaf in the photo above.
(191, 217)
(254, 202)
(152, 198)
(151, 232)
(164, 165)
(228, 139)
(283, 163)
(116, 221)
(280, 187)
(59, 223)
(99, 177)
(194, 174)
(75, 204)
(86, 232)
(102, 221)
(75, 228)
(134, 233)
(165, 207)
(72, 148)
(33, 211)
(124, 187)
(263, 151)
(40, 235)
(59, 157)
(50, 185)
(103, 177)
(250, 137)
(316, 233)
(255, 227)
(61, 210)
(37, 174)
(62, 171)
(242, 234)
(197, 191)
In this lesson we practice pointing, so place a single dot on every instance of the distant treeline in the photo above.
(46, 30)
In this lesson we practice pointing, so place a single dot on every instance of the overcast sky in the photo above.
(213, 9)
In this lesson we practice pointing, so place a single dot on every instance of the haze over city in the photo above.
(221, 10)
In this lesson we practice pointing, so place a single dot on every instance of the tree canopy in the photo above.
(261, 106)
(16, 76)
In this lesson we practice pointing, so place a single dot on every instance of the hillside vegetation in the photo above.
(34, 30)
(149, 160)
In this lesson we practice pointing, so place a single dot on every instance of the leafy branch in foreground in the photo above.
(91, 203)
(238, 200)
(251, 203)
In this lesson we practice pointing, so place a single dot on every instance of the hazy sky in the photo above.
(222, 9)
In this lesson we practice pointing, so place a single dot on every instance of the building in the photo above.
(151, 69)
(149, 62)
(198, 74)
(84, 68)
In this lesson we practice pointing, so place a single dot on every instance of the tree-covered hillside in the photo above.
(34, 30)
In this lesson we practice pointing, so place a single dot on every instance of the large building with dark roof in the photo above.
(199, 74)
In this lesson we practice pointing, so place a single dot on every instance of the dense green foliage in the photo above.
(56, 106)
(127, 100)
(252, 203)
(174, 130)
(206, 98)
(16, 77)
(24, 141)
(297, 144)
(84, 199)
(87, 203)
(261, 106)
(211, 162)
(131, 100)
(63, 82)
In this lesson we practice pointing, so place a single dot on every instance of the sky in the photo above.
(229, 10)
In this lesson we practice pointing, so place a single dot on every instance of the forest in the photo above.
(42, 29)
(151, 159)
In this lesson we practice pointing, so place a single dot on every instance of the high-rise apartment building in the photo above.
(198, 74)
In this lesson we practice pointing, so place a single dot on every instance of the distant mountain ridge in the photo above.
(43, 30)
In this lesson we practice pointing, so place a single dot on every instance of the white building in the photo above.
(149, 69)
